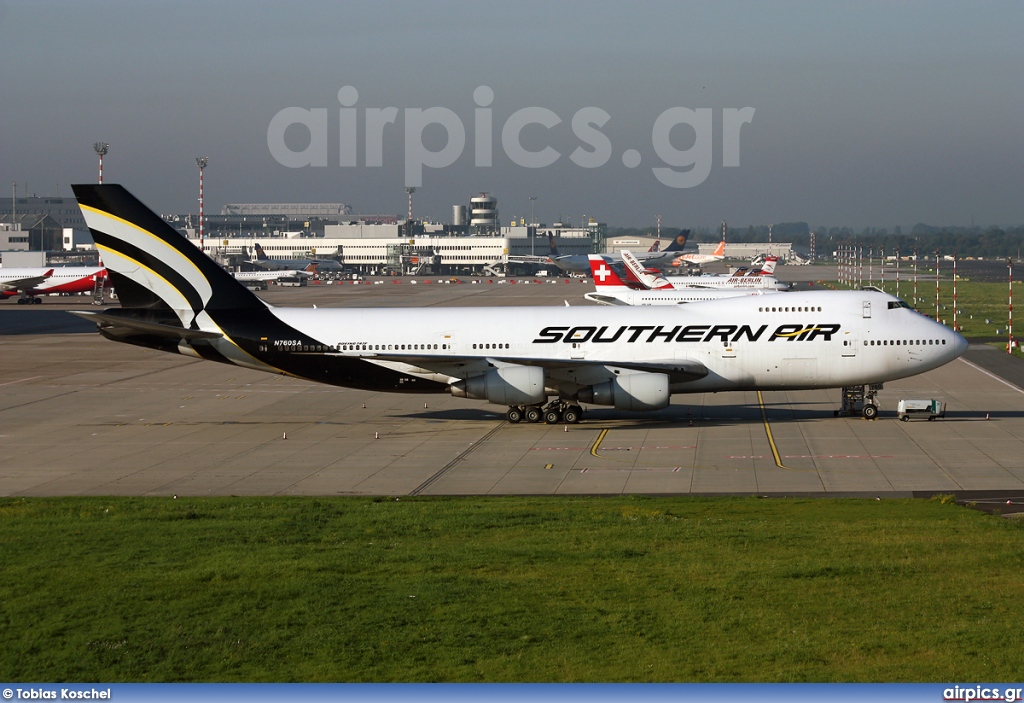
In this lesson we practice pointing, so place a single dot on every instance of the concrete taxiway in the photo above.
(80, 415)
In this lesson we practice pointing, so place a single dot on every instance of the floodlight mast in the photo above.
(101, 148)
(533, 224)
(201, 162)
(1009, 328)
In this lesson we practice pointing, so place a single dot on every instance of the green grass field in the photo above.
(508, 589)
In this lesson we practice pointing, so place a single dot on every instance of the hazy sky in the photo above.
(864, 114)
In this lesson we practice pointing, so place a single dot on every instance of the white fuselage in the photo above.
(716, 281)
(61, 279)
(621, 295)
(270, 275)
(816, 339)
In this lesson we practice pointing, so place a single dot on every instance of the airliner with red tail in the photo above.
(649, 287)
(30, 283)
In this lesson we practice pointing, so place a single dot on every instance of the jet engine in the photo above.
(634, 391)
(510, 385)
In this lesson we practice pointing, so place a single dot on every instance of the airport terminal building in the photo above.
(474, 242)
(404, 249)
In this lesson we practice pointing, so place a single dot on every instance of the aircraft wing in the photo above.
(27, 283)
(653, 258)
(583, 370)
(119, 325)
(604, 299)
(266, 264)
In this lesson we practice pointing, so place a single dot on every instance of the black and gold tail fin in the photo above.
(151, 265)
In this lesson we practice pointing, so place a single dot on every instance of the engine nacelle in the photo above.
(511, 385)
(635, 391)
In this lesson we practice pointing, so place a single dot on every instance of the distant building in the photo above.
(293, 211)
(39, 232)
(64, 211)
(12, 236)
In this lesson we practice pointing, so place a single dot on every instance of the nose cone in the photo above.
(959, 344)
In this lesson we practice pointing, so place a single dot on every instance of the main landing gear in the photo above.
(554, 412)
(29, 300)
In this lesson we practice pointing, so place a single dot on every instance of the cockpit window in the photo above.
(893, 304)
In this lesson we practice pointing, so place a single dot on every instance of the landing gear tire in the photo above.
(532, 414)
(552, 417)
(870, 411)
(514, 415)
(572, 414)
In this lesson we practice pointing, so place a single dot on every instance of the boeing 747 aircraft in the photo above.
(541, 363)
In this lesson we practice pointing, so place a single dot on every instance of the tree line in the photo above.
(988, 242)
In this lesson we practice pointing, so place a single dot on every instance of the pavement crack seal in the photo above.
(451, 464)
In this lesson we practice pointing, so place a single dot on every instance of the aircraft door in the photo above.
(867, 309)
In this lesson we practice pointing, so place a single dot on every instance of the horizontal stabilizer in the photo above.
(107, 319)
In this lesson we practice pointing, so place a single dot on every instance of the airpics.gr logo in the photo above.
(680, 168)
